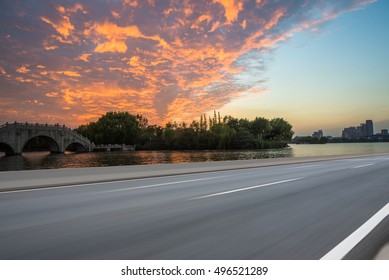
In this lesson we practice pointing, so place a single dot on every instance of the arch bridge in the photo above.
(14, 137)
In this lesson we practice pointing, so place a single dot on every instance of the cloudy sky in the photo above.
(320, 64)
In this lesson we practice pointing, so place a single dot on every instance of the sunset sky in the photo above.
(320, 64)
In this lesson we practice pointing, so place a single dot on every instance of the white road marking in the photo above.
(305, 166)
(364, 165)
(93, 184)
(162, 184)
(248, 188)
(60, 187)
(344, 247)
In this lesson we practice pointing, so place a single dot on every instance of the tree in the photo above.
(244, 140)
(88, 130)
(232, 122)
(280, 130)
(244, 124)
(260, 127)
(169, 135)
(151, 137)
(215, 132)
(113, 128)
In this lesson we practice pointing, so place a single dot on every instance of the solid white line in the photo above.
(60, 187)
(352, 240)
(364, 165)
(97, 183)
(248, 188)
(162, 184)
(305, 166)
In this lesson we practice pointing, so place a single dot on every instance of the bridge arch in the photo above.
(76, 147)
(51, 143)
(7, 149)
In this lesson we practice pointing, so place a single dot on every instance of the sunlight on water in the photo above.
(44, 160)
(340, 149)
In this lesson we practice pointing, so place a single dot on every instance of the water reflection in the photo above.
(44, 160)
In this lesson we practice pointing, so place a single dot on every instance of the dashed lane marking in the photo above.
(162, 184)
(246, 189)
(363, 165)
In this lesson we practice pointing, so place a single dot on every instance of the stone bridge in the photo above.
(14, 136)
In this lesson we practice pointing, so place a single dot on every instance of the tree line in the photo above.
(210, 132)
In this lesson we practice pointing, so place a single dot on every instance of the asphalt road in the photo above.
(295, 211)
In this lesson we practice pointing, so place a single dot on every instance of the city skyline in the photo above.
(318, 65)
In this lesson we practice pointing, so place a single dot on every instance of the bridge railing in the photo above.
(47, 126)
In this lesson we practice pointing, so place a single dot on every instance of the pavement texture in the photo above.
(261, 209)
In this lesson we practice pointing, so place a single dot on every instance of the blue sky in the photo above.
(331, 78)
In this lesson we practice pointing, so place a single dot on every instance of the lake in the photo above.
(45, 160)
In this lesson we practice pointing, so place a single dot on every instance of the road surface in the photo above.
(293, 211)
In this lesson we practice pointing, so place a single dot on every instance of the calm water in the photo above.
(44, 160)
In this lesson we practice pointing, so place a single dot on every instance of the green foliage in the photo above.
(260, 127)
(115, 128)
(280, 130)
(215, 132)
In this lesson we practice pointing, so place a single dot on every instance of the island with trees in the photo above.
(208, 133)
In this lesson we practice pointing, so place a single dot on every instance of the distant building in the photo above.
(349, 133)
(384, 132)
(369, 128)
(363, 130)
(318, 134)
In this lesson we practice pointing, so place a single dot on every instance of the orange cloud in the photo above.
(85, 57)
(232, 9)
(131, 3)
(23, 69)
(35, 102)
(63, 27)
(207, 18)
(69, 73)
(134, 61)
(23, 80)
(275, 18)
(52, 94)
(116, 36)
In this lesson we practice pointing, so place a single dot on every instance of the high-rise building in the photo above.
(318, 134)
(349, 133)
(369, 128)
(363, 130)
